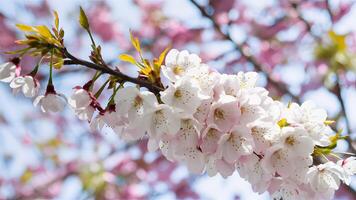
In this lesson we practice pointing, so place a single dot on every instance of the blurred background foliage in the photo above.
(302, 49)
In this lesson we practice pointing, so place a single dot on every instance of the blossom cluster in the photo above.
(29, 86)
(214, 123)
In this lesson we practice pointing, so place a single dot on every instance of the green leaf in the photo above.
(135, 42)
(58, 63)
(56, 19)
(25, 28)
(44, 31)
(127, 58)
(83, 20)
(158, 62)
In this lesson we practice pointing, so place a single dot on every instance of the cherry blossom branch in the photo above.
(338, 88)
(308, 26)
(338, 94)
(338, 91)
(330, 13)
(74, 60)
(278, 84)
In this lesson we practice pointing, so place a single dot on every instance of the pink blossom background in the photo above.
(55, 156)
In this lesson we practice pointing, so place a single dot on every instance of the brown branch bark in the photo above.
(338, 93)
(143, 83)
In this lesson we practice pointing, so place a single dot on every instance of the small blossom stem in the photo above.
(330, 12)
(112, 98)
(91, 37)
(95, 77)
(50, 70)
(35, 70)
(336, 156)
(344, 153)
(98, 93)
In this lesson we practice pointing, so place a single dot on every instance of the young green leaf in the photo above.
(135, 42)
(44, 31)
(25, 28)
(127, 58)
(158, 62)
(56, 19)
(83, 20)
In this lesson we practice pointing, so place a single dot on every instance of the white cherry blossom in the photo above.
(220, 166)
(247, 80)
(27, 84)
(251, 104)
(134, 103)
(238, 142)
(288, 190)
(183, 95)
(51, 102)
(163, 121)
(264, 134)
(80, 99)
(325, 179)
(7, 72)
(250, 168)
(290, 156)
(311, 118)
(191, 156)
(202, 111)
(210, 139)
(186, 137)
(228, 85)
(349, 165)
(224, 113)
(204, 77)
(98, 123)
(215, 123)
(177, 63)
(81, 102)
(86, 113)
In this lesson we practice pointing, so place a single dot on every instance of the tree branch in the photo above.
(338, 94)
(277, 84)
(73, 60)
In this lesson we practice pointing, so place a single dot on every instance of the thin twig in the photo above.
(279, 85)
(338, 93)
(74, 60)
(307, 24)
(330, 12)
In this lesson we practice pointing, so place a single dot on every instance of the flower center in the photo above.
(138, 102)
(219, 114)
(177, 70)
(290, 140)
(178, 94)
(211, 133)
